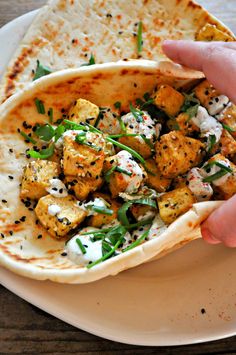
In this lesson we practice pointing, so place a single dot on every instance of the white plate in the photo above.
(160, 303)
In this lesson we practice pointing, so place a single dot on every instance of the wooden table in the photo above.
(26, 329)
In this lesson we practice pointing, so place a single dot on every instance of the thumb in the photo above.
(221, 225)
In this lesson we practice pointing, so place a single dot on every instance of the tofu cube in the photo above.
(228, 187)
(210, 33)
(137, 144)
(176, 154)
(168, 99)
(185, 125)
(100, 219)
(81, 187)
(83, 111)
(36, 178)
(174, 203)
(154, 178)
(205, 92)
(80, 159)
(227, 144)
(228, 117)
(68, 217)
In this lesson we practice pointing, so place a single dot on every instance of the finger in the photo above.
(221, 224)
(216, 59)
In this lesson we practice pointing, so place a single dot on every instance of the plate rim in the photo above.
(62, 316)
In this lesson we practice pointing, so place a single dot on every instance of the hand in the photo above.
(217, 60)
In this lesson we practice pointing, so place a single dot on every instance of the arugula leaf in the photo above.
(41, 70)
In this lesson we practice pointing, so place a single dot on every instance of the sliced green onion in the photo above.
(82, 248)
(108, 173)
(59, 132)
(40, 106)
(139, 38)
(222, 166)
(106, 247)
(81, 139)
(93, 129)
(122, 124)
(212, 141)
(115, 136)
(123, 171)
(106, 256)
(41, 70)
(215, 176)
(147, 141)
(228, 128)
(74, 126)
(102, 210)
(50, 114)
(45, 132)
(144, 222)
(137, 242)
(91, 61)
(27, 138)
(128, 149)
(43, 154)
(136, 113)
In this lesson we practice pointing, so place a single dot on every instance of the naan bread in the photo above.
(25, 246)
(66, 32)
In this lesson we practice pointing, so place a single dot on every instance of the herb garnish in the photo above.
(137, 242)
(117, 105)
(136, 113)
(139, 37)
(82, 248)
(190, 106)
(82, 139)
(106, 256)
(212, 142)
(50, 114)
(43, 154)
(27, 138)
(41, 70)
(46, 132)
(128, 149)
(228, 128)
(224, 170)
(40, 106)
(122, 217)
(91, 61)
(101, 209)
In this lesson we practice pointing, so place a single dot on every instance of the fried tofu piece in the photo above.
(176, 154)
(80, 159)
(68, 217)
(227, 188)
(174, 203)
(137, 144)
(100, 219)
(185, 124)
(211, 33)
(141, 212)
(227, 144)
(205, 92)
(82, 187)
(36, 178)
(228, 117)
(179, 181)
(154, 178)
(168, 99)
(83, 111)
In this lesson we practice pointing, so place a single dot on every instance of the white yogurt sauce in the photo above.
(125, 161)
(57, 188)
(144, 191)
(99, 202)
(53, 210)
(109, 122)
(201, 190)
(208, 125)
(147, 215)
(217, 104)
(215, 169)
(93, 249)
(146, 127)
(157, 228)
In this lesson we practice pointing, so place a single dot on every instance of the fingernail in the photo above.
(209, 237)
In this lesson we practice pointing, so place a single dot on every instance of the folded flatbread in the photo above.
(25, 246)
(65, 33)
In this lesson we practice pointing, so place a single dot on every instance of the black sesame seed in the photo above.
(4, 201)
(10, 232)
(54, 189)
(131, 126)
(39, 236)
(61, 176)
(11, 150)
(109, 15)
(120, 32)
(23, 218)
(10, 177)
(93, 163)
(90, 262)
(2, 235)
(203, 311)
(37, 221)
(17, 222)
(210, 103)
(64, 254)
(61, 191)
(216, 99)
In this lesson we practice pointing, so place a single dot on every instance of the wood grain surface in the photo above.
(27, 330)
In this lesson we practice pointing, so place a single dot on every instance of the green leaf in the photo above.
(116, 233)
(139, 37)
(59, 132)
(41, 70)
(45, 132)
(192, 111)
(91, 61)
(101, 209)
(122, 212)
(190, 100)
(27, 138)
(43, 154)
(106, 256)
(106, 248)
(212, 142)
(80, 244)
